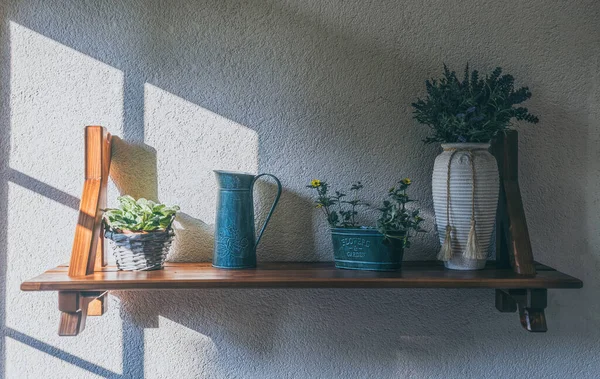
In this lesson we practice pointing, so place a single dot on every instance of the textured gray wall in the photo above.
(301, 89)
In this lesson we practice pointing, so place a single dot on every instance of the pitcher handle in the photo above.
(262, 230)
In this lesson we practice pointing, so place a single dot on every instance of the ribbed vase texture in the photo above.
(461, 190)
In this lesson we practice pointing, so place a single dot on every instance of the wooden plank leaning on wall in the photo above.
(88, 253)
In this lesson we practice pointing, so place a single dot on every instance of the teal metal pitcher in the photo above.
(235, 236)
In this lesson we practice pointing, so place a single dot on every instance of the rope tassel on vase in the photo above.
(445, 253)
(473, 250)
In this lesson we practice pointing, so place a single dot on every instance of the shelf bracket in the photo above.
(530, 303)
(75, 306)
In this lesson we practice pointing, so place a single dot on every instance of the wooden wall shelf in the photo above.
(83, 286)
(296, 275)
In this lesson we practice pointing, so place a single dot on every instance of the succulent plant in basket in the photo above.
(140, 233)
(379, 248)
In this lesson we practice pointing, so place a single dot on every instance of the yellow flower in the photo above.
(406, 181)
(319, 205)
(315, 183)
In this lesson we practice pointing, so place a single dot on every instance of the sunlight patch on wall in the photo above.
(195, 353)
(55, 92)
(191, 142)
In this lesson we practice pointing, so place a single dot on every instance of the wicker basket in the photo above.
(140, 251)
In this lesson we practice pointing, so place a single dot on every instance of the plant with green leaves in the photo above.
(340, 213)
(472, 110)
(140, 215)
(395, 221)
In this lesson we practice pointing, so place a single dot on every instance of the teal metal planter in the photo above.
(366, 249)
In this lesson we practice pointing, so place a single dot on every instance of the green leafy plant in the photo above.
(139, 216)
(395, 220)
(339, 211)
(472, 110)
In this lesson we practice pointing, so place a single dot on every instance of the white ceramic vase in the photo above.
(461, 200)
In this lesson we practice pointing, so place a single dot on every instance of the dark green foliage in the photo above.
(472, 110)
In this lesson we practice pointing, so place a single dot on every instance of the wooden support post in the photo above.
(74, 310)
(88, 245)
(512, 236)
(530, 303)
(88, 253)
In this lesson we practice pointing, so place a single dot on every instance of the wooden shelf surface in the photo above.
(297, 275)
